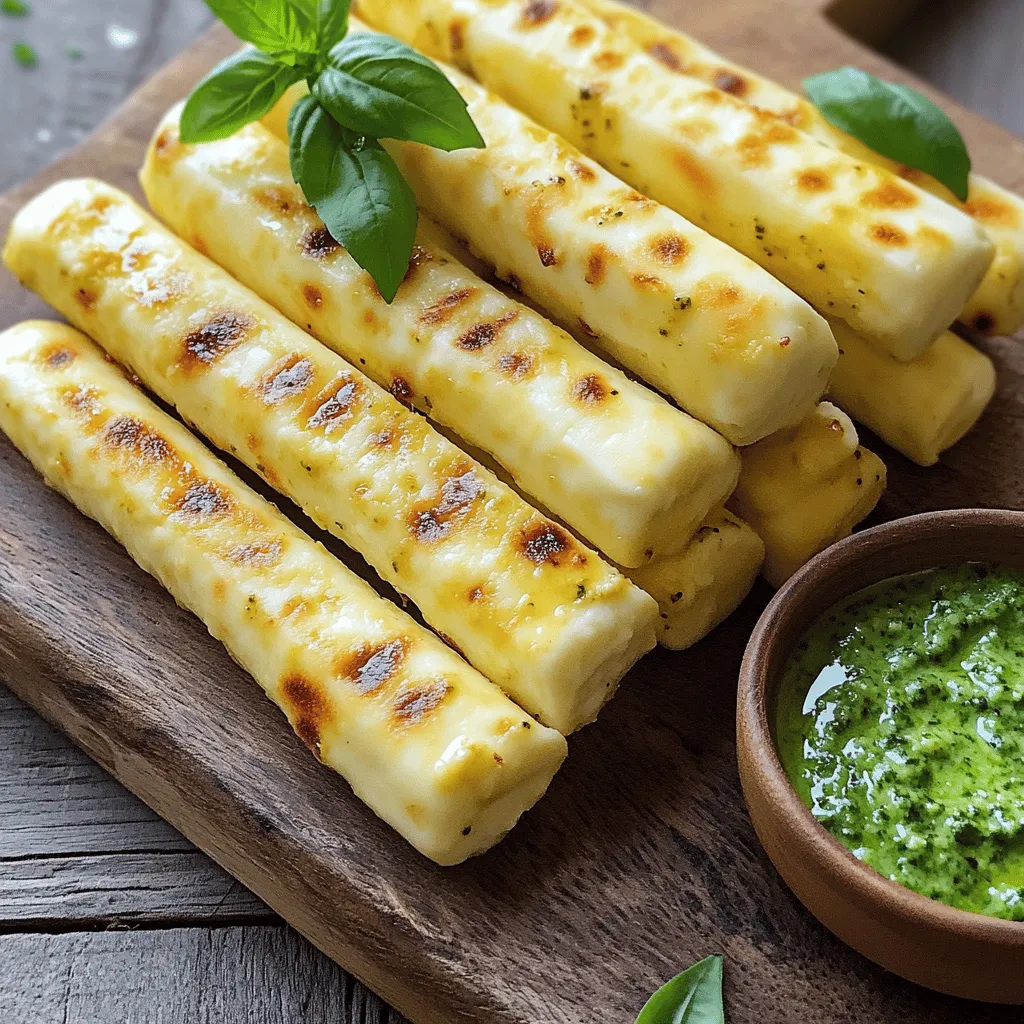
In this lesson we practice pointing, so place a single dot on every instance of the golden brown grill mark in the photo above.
(412, 706)
(813, 180)
(476, 594)
(444, 308)
(56, 356)
(596, 264)
(609, 60)
(318, 244)
(544, 543)
(581, 35)
(888, 234)
(332, 403)
(280, 201)
(664, 53)
(586, 328)
(83, 400)
(290, 377)
(646, 282)
(890, 196)
(203, 500)
(483, 334)
(402, 390)
(730, 82)
(312, 296)
(590, 390)
(669, 250)
(693, 171)
(993, 212)
(517, 366)
(371, 667)
(263, 555)
(138, 440)
(166, 144)
(438, 520)
(457, 34)
(308, 708)
(581, 172)
(416, 260)
(85, 297)
(536, 12)
(223, 332)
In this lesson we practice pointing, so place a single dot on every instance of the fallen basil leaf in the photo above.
(282, 27)
(895, 121)
(15, 8)
(358, 191)
(25, 55)
(377, 86)
(238, 91)
(693, 997)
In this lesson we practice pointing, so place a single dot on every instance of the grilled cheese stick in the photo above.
(819, 220)
(997, 306)
(705, 583)
(484, 567)
(700, 322)
(921, 408)
(622, 467)
(806, 488)
(424, 740)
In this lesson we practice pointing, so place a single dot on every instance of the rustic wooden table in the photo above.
(107, 915)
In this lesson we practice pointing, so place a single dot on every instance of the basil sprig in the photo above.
(894, 120)
(693, 997)
(362, 88)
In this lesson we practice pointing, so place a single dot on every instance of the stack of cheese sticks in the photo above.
(744, 160)
(584, 425)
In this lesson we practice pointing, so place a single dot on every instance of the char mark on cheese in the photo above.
(290, 377)
(220, 334)
(318, 244)
(590, 390)
(444, 308)
(544, 543)
(536, 12)
(203, 500)
(85, 297)
(56, 356)
(312, 296)
(402, 390)
(417, 703)
(888, 234)
(890, 196)
(308, 708)
(280, 201)
(419, 257)
(372, 666)
(517, 366)
(130, 435)
(483, 334)
(664, 53)
(669, 250)
(730, 82)
(82, 399)
(333, 403)
(439, 519)
(261, 555)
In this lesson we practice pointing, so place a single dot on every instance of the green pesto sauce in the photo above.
(900, 722)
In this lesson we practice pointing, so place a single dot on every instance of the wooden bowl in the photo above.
(922, 940)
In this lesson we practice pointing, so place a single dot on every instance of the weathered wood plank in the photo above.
(254, 975)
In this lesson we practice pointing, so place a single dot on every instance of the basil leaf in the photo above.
(331, 23)
(357, 190)
(238, 91)
(693, 997)
(282, 27)
(377, 86)
(894, 120)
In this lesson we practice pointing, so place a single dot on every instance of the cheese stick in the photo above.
(700, 322)
(621, 466)
(805, 488)
(997, 306)
(858, 243)
(921, 408)
(483, 567)
(705, 583)
(424, 740)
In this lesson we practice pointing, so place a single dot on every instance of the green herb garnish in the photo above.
(693, 997)
(362, 88)
(15, 8)
(75, 52)
(25, 55)
(895, 121)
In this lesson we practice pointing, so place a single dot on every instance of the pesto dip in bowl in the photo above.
(879, 723)
(900, 723)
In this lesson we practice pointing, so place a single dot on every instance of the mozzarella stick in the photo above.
(539, 614)
(997, 305)
(424, 740)
(703, 324)
(620, 465)
(921, 408)
(826, 224)
(705, 583)
(805, 488)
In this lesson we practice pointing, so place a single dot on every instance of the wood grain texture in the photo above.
(640, 860)
(193, 976)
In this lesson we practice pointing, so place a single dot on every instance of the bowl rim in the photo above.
(792, 814)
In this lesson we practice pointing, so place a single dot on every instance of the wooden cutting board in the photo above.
(641, 858)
